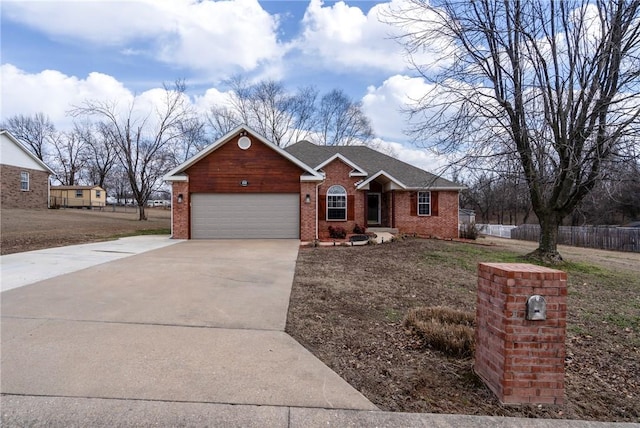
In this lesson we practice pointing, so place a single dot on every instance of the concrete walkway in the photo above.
(26, 268)
(190, 334)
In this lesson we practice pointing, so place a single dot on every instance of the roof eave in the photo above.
(27, 151)
(378, 174)
(437, 188)
(176, 177)
(311, 178)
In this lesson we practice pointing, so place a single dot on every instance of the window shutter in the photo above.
(434, 204)
(351, 209)
(322, 207)
(413, 200)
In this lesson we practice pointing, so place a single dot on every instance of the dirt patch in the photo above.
(348, 305)
(27, 230)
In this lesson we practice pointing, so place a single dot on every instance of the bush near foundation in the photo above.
(337, 232)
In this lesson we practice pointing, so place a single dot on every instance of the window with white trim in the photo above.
(98, 194)
(24, 181)
(336, 203)
(424, 203)
(78, 193)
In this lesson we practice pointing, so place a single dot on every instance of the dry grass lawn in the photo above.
(349, 306)
(26, 230)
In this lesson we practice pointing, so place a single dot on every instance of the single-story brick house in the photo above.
(243, 186)
(78, 196)
(24, 179)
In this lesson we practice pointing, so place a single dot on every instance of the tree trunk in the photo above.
(143, 215)
(547, 251)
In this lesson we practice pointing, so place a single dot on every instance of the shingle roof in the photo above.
(372, 162)
(76, 187)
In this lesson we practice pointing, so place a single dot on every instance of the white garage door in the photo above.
(248, 215)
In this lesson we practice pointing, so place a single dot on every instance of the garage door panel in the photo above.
(247, 215)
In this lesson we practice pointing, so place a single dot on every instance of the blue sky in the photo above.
(55, 54)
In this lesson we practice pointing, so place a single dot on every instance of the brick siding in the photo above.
(444, 225)
(520, 360)
(337, 173)
(307, 212)
(12, 197)
(181, 211)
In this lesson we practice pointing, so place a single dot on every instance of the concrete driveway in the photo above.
(198, 321)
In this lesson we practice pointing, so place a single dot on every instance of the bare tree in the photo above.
(556, 83)
(341, 121)
(69, 155)
(266, 106)
(284, 117)
(36, 132)
(117, 184)
(100, 151)
(615, 200)
(221, 120)
(142, 143)
(305, 119)
(192, 139)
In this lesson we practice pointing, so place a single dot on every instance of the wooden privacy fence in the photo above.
(602, 237)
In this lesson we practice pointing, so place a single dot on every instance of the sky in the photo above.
(57, 54)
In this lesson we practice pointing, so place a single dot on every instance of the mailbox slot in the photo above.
(536, 308)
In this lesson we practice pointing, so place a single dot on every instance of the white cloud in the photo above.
(206, 36)
(342, 35)
(54, 93)
(212, 97)
(386, 105)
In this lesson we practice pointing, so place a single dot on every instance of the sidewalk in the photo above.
(98, 413)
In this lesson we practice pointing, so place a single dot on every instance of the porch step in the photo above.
(391, 230)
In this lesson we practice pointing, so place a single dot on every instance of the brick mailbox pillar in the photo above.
(521, 319)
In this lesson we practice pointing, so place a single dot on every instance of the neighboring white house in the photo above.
(24, 179)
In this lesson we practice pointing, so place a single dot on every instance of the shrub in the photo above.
(359, 230)
(337, 232)
(469, 231)
(445, 329)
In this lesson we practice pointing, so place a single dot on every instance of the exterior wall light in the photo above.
(180, 198)
(307, 199)
(244, 183)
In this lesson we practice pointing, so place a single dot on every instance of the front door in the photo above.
(373, 208)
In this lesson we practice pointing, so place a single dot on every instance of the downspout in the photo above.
(172, 207)
(458, 214)
(393, 208)
(317, 216)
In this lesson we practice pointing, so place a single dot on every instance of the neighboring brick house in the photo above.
(24, 179)
(243, 186)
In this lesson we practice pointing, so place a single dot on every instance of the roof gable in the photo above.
(386, 176)
(355, 172)
(375, 164)
(14, 153)
(178, 173)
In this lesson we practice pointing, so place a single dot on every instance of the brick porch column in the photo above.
(521, 360)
